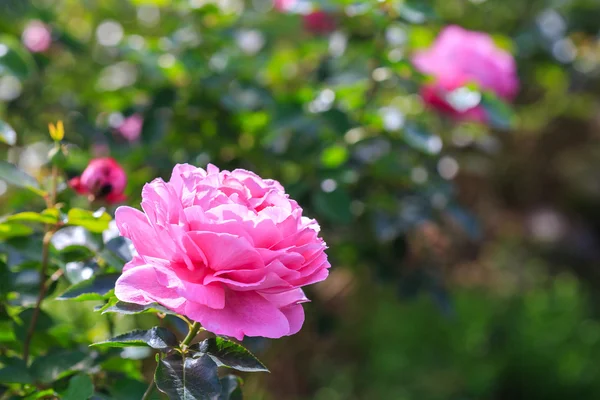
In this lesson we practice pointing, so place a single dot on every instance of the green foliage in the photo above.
(96, 288)
(156, 338)
(185, 378)
(229, 354)
(80, 388)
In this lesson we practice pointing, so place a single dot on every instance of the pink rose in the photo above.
(319, 22)
(103, 179)
(284, 5)
(459, 57)
(227, 249)
(131, 127)
(37, 37)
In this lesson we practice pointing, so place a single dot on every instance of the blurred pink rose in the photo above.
(284, 5)
(37, 36)
(227, 249)
(459, 57)
(103, 178)
(131, 127)
(319, 22)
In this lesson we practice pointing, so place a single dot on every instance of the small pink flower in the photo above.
(37, 36)
(227, 249)
(319, 22)
(459, 57)
(103, 179)
(131, 127)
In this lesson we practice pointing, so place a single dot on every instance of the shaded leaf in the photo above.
(335, 205)
(158, 338)
(56, 364)
(499, 114)
(17, 177)
(187, 379)
(230, 388)
(14, 371)
(230, 354)
(94, 221)
(80, 388)
(95, 288)
(16, 60)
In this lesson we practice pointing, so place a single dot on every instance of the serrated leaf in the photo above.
(230, 354)
(56, 364)
(122, 307)
(188, 378)
(14, 371)
(17, 177)
(96, 288)
(94, 221)
(230, 388)
(7, 134)
(158, 338)
(80, 388)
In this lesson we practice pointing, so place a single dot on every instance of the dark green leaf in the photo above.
(230, 354)
(16, 60)
(55, 365)
(158, 338)
(122, 307)
(94, 221)
(7, 134)
(230, 388)
(14, 371)
(43, 323)
(17, 177)
(80, 388)
(188, 379)
(95, 288)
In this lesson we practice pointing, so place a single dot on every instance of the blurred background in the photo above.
(466, 256)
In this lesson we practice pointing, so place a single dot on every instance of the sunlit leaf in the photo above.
(158, 338)
(94, 221)
(230, 354)
(96, 288)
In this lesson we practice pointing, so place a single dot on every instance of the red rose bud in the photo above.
(103, 179)
(319, 22)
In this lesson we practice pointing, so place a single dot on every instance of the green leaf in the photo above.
(44, 322)
(230, 388)
(80, 388)
(334, 156)
(17, 177)
(49, 216)
(56, 364)
(158, 338)
(10, 230)
(94, 221)
(16, 60)
(96, 288)
(7, 134)
(42, 394)
(122, 307)
(14, 371)
(226, 353)
(187, 378)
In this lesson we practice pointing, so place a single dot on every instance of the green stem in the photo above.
(150, 389)
(195, 328)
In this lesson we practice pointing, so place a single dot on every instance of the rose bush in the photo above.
(460, 57)
(227, 249)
